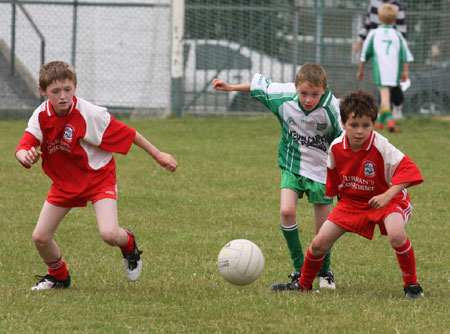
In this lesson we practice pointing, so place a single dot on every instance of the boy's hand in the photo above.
(404, 76)
(359, 75)
(220, 85)
(28, 157)
(379, 201)
(167, 161)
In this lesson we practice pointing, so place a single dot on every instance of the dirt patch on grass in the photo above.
(443, 118)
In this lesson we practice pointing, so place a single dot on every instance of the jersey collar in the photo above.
(51, 111)
(367, 145)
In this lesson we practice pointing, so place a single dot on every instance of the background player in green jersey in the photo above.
(309, 117)
(390, 56)
(372, 21)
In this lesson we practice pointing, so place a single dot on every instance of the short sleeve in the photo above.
(367, 50)
(27, 141)
(407, 171)
(118, 137)
(332, 186)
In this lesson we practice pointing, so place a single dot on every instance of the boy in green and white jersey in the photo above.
(309, 117)
(390, 56)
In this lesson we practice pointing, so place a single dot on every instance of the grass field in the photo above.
(226, 187)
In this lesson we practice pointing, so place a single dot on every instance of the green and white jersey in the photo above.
(388, 50)
(306, 135)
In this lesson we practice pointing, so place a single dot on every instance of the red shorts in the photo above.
(361, 218)
(65, 202)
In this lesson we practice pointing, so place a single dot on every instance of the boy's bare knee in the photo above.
(397, 239)
(287, 214)
(111, 237)
(318, 247)
(40, 239)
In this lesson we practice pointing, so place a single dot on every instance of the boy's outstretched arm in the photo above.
(222, 85)
(381, 200)
(164, 159)
(28, 157)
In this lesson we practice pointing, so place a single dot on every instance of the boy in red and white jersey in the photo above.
(77, 139)
(371, 176)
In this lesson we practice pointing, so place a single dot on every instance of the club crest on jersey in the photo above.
(291, 121)
(321, 126)
(68, 133)
(369, 169)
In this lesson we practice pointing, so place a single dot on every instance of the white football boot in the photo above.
(132, 262)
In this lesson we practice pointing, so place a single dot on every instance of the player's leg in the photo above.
(49, 220)
(322, 209)
(385, 108)
(108, 222)
(381, 115)
(290, 193)
(108, 226)
(326, 276)
(397, 102)
(385, 98)
(289, 226)
(322, 242)
(395, 228)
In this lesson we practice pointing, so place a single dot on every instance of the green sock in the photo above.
(326, 263)
(380, 119)
(290, 233)
(387, 115)
(384, 116)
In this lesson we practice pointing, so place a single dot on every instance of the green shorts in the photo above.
(315, 191)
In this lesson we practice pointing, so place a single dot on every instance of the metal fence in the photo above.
(284, 34)
(122, 49)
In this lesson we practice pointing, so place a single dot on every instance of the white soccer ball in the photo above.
(240, 262)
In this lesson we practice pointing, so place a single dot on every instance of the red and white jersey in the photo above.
(370, 171)
(76, 148)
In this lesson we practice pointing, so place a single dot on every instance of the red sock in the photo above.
(310, 269)
(129, 246)
(407, 262)
(58, 269)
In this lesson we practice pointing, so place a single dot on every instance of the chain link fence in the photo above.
(122, 50)
(277, 36)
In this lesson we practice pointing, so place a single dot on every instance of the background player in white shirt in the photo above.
(372, 21)
(309, 117)
(390, 56)
(76, 140)
(371, 176)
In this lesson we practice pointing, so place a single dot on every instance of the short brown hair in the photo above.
(313, 73)
(388, 14)
(56, 71)
(359, 102)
